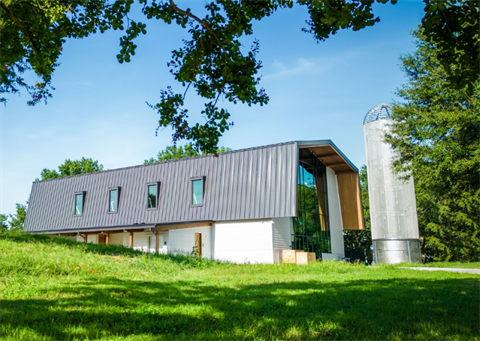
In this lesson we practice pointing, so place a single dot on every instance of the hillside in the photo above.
(52, 288)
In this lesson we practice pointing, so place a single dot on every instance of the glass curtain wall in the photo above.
(311, 226)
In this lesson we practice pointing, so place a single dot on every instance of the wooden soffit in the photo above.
(178, 226)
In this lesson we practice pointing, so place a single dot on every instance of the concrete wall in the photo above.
(244, 241)
(335, 218)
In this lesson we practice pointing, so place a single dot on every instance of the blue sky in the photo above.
(317, 91)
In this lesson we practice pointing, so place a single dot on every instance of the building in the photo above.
(240, 206)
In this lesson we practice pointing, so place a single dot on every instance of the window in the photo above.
(197, 191)
(78, 204)
(113, 200)
(311, 226)
(152, 196)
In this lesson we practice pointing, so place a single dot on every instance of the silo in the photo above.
(393, 211)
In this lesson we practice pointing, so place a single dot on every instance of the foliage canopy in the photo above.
(180, 152)
(435, 133)
(211, 61)
(70, 167)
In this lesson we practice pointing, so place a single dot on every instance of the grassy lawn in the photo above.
(55, 289)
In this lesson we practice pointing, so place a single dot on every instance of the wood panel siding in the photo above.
(350, 200)
(198, 245)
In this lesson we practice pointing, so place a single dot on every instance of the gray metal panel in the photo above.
(245, 184)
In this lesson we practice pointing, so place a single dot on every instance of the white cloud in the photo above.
(302, 67)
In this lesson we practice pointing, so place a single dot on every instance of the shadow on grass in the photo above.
(185, 261)
(357, 309)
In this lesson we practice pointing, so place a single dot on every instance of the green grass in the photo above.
(55, 289)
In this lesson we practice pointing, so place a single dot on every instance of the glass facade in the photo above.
(113, 200)
(78, 204)
(311, 226)
(152, 196)
(197, 192)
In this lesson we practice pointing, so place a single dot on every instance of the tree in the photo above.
(211, 61)
(69, 168)
(3, 222)
(362, 239)
(17, 219)
(435, 132)
(179, 152)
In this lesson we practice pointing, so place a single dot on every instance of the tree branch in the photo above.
(21, 27)
(194, 17)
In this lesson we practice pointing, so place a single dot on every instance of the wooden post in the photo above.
(157, 243)
(131, 239)
(86, 238)
(107, 239)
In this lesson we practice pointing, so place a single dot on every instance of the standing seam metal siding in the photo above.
(252, 183)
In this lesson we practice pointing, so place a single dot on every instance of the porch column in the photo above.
(157, 246)
(107, 239)
(131, 239)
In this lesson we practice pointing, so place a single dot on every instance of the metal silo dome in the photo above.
(380, 112)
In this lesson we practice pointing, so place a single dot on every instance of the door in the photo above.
(198, 244)
(102, 239)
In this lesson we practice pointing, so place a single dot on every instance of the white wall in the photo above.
(92, 238)
(244, 241)
(282, 237)
(335, 217)
(118, 239)
(182, 241)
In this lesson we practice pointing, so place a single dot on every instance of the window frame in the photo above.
(192, 179)
(158, 195)
(118, 189)
(82, 193)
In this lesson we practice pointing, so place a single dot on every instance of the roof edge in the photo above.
(319, 143)
(116, 227)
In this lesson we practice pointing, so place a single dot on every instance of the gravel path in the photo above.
(471, 271)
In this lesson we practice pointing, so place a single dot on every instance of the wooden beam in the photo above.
(182, 226)
(157, 243)
(350, 201)
(335, 164)
(131, 239)
(107, 239)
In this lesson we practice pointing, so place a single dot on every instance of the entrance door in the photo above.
(102, 239)
(198, 244)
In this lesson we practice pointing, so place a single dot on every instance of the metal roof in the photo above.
(254, 183)
(380, 112)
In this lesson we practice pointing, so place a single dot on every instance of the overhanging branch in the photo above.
(20, 26)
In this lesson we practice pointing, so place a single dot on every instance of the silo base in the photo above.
(392, 251)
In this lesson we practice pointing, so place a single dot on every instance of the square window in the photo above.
(113, 200)
(152, 196)
(78, 204)
(197, 192)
